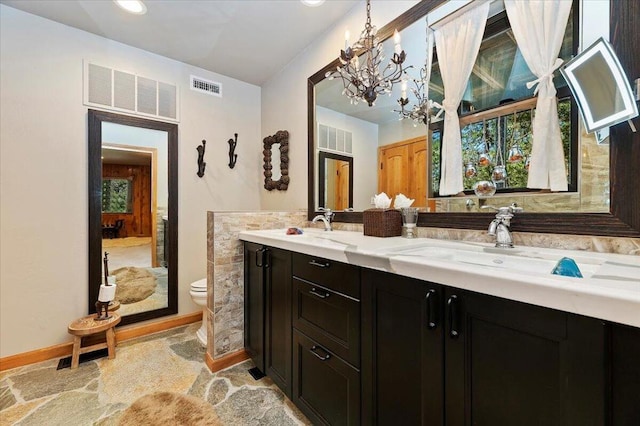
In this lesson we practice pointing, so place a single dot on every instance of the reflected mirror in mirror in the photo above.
(134, 221)
(336, 181)
(275, 162)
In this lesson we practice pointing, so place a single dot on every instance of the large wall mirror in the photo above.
(133, 211)
(601, 199)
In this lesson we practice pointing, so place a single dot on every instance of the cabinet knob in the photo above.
(260, 256)
(452, 304)
(431, 309)
(314, 350)
(319, 263)
(316, 293)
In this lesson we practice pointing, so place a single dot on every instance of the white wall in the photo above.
(397, 131)
(284, 97)
(365, 155)
(43, 170)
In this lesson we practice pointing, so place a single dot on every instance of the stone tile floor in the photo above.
(98, 391)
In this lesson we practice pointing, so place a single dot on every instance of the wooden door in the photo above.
(393, 175)
(418, 173)
(342, 185)
(403, 169)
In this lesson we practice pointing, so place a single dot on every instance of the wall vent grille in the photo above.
(116, 90)
(203, 85)
(333, 139)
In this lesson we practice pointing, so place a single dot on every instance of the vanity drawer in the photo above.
(330, 318)
(325, 388)
(336, 276)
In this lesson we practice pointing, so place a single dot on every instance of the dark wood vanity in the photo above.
(352, 345)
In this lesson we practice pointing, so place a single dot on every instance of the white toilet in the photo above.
(199, 295)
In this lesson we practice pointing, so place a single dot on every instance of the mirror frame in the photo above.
(95, 120)
(324, 155)
(623, 219)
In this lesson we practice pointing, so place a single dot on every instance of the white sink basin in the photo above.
(504, 261)
(515, 260)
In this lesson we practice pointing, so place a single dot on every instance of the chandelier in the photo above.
(364, 82)
(421, 111)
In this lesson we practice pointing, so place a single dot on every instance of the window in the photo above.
(116, 195)
(496, 112)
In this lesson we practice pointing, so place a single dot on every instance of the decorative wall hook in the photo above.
(201, 163)
(232, 147)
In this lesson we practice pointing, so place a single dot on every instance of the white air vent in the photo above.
(209, 87)
(333, 139)
(112, 89)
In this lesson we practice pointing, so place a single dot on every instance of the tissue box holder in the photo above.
(382, 222)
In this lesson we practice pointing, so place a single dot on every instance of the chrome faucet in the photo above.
(327, 217)
(500, 227)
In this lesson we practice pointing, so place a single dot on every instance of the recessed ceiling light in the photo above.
(132, 6)
(312, 3)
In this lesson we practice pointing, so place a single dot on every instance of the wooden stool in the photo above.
(87, 326)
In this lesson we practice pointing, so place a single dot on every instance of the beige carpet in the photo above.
(125, 242)
(167, 408)
(134, 284)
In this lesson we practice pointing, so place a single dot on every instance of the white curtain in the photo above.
(457, 44)
(539, 26)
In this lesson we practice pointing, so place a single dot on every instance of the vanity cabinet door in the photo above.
(402, 365)
(254, 302)
(278, 318)
(325, 387)
(511, 363)
(625, 375)
(267, 311)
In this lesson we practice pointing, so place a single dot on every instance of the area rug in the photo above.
(134, 284)
(125, 242)
(167, 408)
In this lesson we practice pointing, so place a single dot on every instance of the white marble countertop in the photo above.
(610, 289)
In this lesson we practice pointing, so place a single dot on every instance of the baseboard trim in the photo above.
(65, 349)
(155, 327)
(226, 361)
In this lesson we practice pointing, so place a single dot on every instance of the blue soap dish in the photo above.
(567, 267)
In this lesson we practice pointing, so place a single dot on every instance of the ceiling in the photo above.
(250, 40)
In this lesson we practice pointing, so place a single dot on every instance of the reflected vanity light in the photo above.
(132, 6)
(589, 75)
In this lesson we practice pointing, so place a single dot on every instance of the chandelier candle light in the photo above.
(366, 82)
(421, 111)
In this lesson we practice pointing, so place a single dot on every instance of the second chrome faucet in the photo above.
(500, 227)
(327, 217)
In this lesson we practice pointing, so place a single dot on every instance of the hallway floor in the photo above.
(99, 391)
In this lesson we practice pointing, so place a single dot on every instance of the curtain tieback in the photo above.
(445, 107)
(548, 76)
